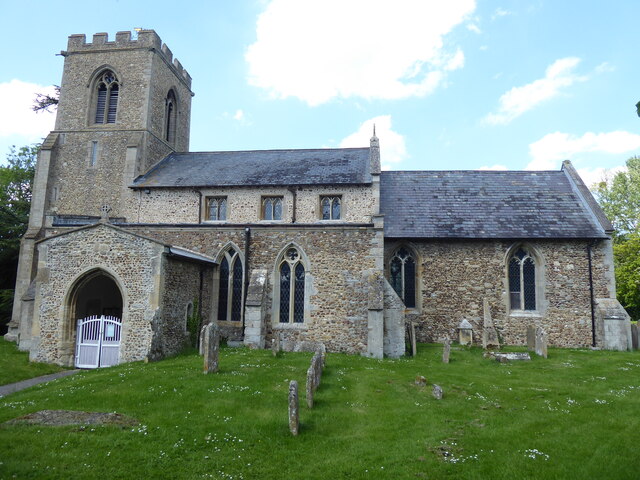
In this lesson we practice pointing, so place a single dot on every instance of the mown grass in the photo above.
(15, 365)
(571, 416)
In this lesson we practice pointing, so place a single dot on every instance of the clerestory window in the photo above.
(402, 270)
(522, 281)
(272, 208)
(291, 272)
(331, 207)
(217, 208)
(107, 90)
(230, 288)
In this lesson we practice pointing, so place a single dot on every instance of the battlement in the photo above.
(146, 39)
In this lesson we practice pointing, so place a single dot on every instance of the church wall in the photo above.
(455, 276)
(134, 262)
(339, 258)
(164, 205)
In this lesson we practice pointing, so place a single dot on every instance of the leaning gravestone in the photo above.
(489, 332)
(531, 337)
(294, 420)
(541, 342)
(437, 392)
(446, 350)
(211, 348)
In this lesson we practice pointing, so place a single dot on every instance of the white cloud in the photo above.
(559, 75)
(19, 119)
(592, 176)
(392, 145)
(239, 115)
(472, 27)
(317, 51)
(500, 12)
(548, 152)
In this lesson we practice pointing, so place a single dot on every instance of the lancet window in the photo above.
(402, 271)
(291, 272)
(522, 280)
(230, 288)
(107, 91)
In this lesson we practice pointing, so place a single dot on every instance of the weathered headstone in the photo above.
(275, 345)
(634, 336)
(317, 363)
(541, 342)
(507, 357)
(412, 338)
(310, 386)
(446, 350)
(437, 392)
(201, 341)
(420, 381)
(294, 420)
(531, 337)
(211, 348)
(489, 332)
(465, 332)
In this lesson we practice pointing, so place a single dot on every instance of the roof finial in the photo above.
(374, 129)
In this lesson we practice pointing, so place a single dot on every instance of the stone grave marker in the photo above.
(420, 381)
(465, 332)
(310, 386)
(531, 337)
(489, 332)
(211, 348)
(634, 336)
(201, 341)
(275, 345)
(437, 392)
(541, 342)
(294, 420)
(446, 350)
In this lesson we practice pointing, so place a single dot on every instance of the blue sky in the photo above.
(450, 85)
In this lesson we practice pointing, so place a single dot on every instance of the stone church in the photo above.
(131, 230)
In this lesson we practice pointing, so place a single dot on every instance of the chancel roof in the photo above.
(337, 166)
(489, 204)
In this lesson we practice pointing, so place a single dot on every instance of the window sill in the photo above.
(215, 222)
(526, 313)
(290, 326)
(271, 221)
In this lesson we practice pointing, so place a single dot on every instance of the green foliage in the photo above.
(193, 324)
(15, 365)
(572, 416)
(619, 197)
(16, 178)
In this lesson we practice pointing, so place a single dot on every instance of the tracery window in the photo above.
(230, 288)
(107, 90)
(170, 117)
(331, 207)
(402, 271)
(522, 281)
(292, 274)
(272, 208)
(217, 208)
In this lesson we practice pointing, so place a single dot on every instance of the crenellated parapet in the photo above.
(145, 39)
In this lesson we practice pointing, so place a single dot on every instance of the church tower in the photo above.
(124, 105)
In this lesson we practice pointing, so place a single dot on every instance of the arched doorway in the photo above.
(96, 306)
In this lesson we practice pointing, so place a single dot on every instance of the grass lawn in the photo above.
(574, 415)
(15, 365)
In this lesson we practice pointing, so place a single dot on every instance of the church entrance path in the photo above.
(16, 387)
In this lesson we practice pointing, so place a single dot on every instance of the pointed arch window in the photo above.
(230, 288)
(107, 91)
(522, 280)
(171, 113)
(331, 207)
(292, 274)
(402, 271)
(272, 208)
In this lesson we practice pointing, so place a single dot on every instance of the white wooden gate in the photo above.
(98, 343)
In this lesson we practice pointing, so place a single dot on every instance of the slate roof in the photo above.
(340, 166)
(487, 204)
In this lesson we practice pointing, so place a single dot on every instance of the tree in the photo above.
(619, 197)
(16, 180)
(43, 101)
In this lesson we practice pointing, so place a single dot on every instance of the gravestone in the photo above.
(541, 342)
(437, 392)
(465, 332)
(275, 344)
(310, 386)
(507, 357)
(294, 420)
(412, 338)
(211, 348)
(634, 336)
(201, 340)
(446, 350)
(489, 332)
(531, 337)
(420, 381)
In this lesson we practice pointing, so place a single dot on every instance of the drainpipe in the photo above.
(591, 296)
(294, 193)
(247, 242)
(202, 267)
(200, 207)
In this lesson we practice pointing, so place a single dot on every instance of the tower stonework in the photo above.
(124, 105)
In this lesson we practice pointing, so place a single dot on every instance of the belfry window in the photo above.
(403, 276)
(230, 288)
(331, 208)
(522, 281)
(107, 90)
(292, 274)
(170, 117)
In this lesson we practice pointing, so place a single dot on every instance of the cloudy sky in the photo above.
(456, 84)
